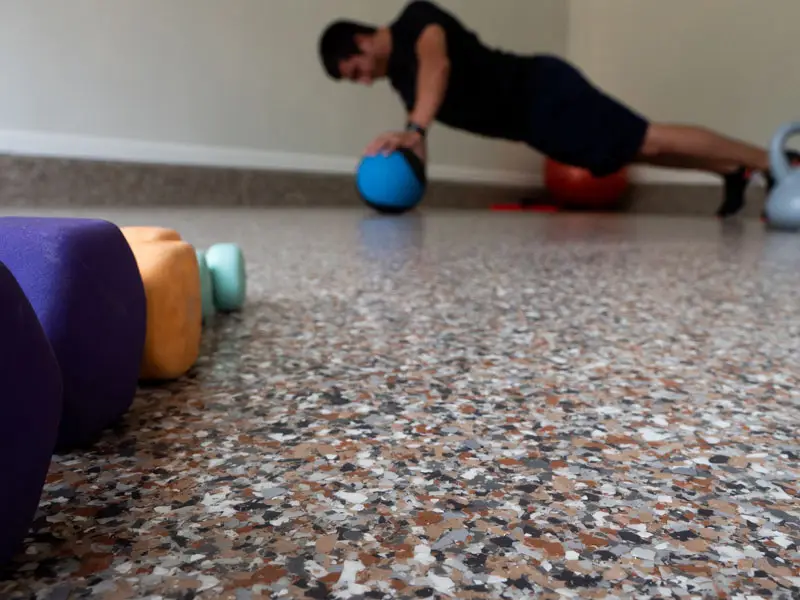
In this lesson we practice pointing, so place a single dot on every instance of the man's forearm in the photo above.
(432, 81)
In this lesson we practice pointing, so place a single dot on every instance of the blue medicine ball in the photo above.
(393, 183)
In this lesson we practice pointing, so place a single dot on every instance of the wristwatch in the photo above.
(411, 126)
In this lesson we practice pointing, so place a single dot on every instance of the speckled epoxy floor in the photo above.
(465, 405)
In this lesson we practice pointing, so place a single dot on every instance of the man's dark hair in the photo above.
(338, 42)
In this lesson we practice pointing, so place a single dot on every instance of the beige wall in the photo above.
(239, 74)
(727, 64)
(238, 81)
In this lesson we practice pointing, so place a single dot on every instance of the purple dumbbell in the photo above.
(82, 280)
(30, 410)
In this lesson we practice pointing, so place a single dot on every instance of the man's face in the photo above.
(358, 69)
(362, 67)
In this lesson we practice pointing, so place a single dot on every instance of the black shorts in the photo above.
(572, 121)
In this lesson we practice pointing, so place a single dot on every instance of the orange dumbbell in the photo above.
(171, 277)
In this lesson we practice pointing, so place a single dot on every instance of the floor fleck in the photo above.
(454, 405)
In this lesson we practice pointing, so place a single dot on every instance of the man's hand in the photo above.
(389, 142)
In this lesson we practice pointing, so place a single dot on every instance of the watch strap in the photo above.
(411, 126)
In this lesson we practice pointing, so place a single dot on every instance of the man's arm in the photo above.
(433, 75)
(432, 79)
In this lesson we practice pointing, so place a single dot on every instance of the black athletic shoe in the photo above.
(735, 187)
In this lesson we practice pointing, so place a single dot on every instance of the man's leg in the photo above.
(691, 147)
(575, 122)
(687, 146)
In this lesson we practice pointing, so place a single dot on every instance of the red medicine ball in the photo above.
(575, 187)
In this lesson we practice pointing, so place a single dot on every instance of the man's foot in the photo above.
(735, 187)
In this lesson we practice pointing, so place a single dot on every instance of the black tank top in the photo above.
(488, 88)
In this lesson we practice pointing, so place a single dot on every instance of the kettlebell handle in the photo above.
(781, 169)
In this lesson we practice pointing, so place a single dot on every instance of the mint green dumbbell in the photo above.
(223, 279)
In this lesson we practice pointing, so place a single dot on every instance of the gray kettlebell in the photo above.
(783, 206)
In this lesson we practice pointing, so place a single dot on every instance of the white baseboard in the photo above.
(30, 143)
(653, 175)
